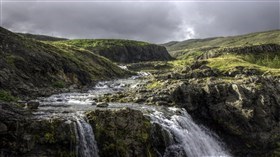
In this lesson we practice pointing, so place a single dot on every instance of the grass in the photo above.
(59, 84)
(37, 64)
(98, 67)
(181, 48)
(271, 60)
(6, 96)
(155, 84)
(227, 62)
(92, 44)
(185, 60)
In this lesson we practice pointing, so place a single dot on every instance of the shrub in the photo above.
(59, 84)
(6, 96)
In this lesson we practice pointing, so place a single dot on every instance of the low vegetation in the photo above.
(228, 62)
(6, 96)
(27, 65)
(101, 43)
(178, 49)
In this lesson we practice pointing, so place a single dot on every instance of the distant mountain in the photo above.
(41, 37)
(27, 66)
(122, 51)
(184, 48)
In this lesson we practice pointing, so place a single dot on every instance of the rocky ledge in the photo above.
(245, 112)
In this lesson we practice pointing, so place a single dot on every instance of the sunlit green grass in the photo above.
(227, 62)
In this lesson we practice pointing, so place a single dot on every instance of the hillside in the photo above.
(122, 51)
(29, 67)
(41, 37)
(182, 49)
(258, 52)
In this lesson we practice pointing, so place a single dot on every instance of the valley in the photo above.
(109, 97)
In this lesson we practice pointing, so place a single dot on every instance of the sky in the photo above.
(156, 21)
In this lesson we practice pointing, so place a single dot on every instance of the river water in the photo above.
(187, 138)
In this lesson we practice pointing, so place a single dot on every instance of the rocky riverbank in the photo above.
(243, 110)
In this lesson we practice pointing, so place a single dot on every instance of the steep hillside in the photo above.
(123, 51)
(29, 67)
(41, 37)
(181, 49)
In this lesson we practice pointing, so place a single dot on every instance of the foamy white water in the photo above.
(87, 145)
(185, 134)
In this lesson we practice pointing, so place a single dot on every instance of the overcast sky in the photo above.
(155, 21)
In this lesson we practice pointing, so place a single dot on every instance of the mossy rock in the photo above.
(123, 132)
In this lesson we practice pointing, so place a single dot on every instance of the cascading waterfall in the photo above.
(185, 138)
(184, 134)
(87, 145)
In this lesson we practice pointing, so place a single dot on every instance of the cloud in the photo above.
(148, 21)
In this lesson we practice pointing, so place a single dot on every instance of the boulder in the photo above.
(33, 104)
(102, 104)
(3, 128)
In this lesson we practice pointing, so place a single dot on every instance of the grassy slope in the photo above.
(266, 62)
(100, 44)
(121, 51)
(27, 65)
(221, 42)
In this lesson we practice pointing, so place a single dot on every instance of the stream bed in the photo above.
(186, 137)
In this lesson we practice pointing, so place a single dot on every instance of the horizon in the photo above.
(156, 21)
(143, 40)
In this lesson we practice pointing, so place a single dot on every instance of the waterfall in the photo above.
(186, 136)
(87, 145)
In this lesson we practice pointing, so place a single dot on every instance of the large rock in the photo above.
(123, 132)
(102, 104)
(245, 113)
(32, 104)
(23, 135)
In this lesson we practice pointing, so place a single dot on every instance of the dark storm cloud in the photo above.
(149, 21)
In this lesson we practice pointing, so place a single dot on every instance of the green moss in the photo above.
(180, 63)
(91, 44)
(49, 138)
(7, 96)
(121, 132)
(59, 84)
(12, 59)
(155, 84)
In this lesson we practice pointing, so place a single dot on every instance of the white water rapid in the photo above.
(186, 135)
(87, 145)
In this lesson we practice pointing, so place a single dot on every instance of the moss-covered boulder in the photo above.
(23, 135)
(121, 133)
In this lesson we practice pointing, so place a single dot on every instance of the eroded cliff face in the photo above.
(122, 51)
(21, 134)
(133, 54)
(245, 113)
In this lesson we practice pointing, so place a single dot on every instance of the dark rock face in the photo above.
(246, 114)
(22, 135)
(121, 133)
(256, 49)
(132, 54)
(245, 111)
